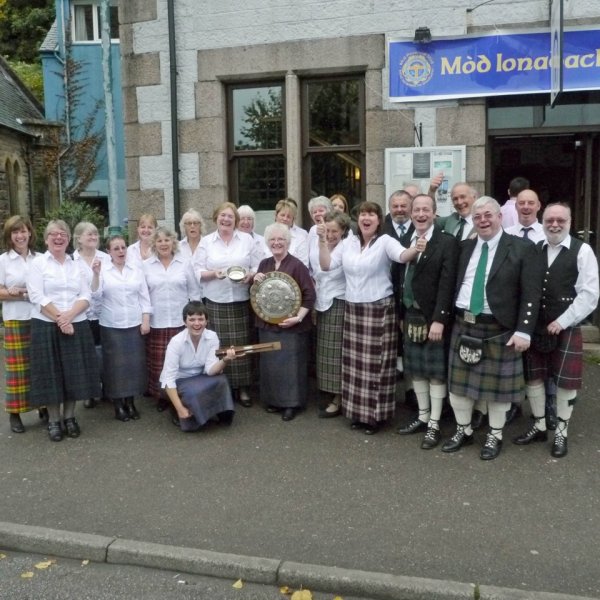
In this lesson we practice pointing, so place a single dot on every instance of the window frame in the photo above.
(97, 34)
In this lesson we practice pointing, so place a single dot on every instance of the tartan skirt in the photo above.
(205, 397)
(231, 322)
(17, 339)
(428, 360)
(124, 362)
(284, 373)
(330, 328)
(156, 347)
(369, 361)
(564, 364)
(498, 377)
(63, 367)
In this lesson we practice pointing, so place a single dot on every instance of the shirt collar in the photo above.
(566, 243)
(491, 243)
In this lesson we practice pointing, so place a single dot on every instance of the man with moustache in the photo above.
(427, 297)
(570, 293)
(497, 297)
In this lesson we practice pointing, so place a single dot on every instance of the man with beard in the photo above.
(498, 294)
(427, 302)
(569, 294)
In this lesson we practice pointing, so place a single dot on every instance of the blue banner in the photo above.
(491, 65)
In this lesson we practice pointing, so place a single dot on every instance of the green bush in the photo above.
(71, 213)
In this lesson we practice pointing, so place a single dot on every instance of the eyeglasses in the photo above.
(58, 234)
(559, 221)
(192, 223)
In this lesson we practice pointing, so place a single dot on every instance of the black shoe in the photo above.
(413, 427)
(90, 403)
(72, 427)
(371, 429)
(512, 413)
(16, 425)
(246, 402)
(55, 432)
(43, 414)
(478, 420)
(330, 414)
(288, 414)
(357, 425)
(431, 439)
(491, 448)
(162, 405)
(533, 434)
(226, 417)
(559, 446)
(130, 408)
(120, 413)
(272, 409)
(458, 440)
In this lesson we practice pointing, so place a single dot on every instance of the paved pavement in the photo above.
(312, 503)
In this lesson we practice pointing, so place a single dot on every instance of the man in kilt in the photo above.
(498, 291)
(569, 294)
(427, 305)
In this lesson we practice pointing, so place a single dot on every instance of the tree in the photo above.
(262, 123)
(23, 26)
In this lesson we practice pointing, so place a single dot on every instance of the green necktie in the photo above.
(461, 228)
(407, 296)
(476, 306)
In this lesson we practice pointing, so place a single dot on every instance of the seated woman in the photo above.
(192, 373)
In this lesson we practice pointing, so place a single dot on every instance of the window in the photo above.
(256, 144)
(333, 138)
(86, 22)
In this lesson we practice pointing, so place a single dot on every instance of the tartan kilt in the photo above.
(63, 367)
(564, 364)
(498, 377)
(17, 340)
(369, 361)
(124, 360)
(428, 360)
(231, 322)
(330, 326)
(156, 347)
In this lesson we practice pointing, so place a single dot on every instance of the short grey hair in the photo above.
(80, 229)
(278, 229)
(246, 211)
(486, 201)
(193, 214)
(167, 233)
(318, 201)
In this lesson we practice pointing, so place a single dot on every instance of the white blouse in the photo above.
(182, 360)
(328, 284)
(215, 255)
(93, 311)
(122, 296)
(367, 271)
(13, 272)
(170, 290)
(60, 284)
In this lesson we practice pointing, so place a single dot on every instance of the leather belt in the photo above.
(469, 317)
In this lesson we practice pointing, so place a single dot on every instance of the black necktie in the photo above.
(461, 228)
(526, 231)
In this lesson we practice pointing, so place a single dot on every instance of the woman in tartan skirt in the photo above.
(370, 329)
(16, 310)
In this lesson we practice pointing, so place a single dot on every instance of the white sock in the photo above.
(421, 387)
(564, 409)
(536, 394)
(497, 417)
(463, 411)
(437, 393)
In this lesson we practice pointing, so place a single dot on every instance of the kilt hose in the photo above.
(369, 361)
(231, 322)
(498, 377)
(156, 347)
(17, 339)
(63, 367)
(428, 360)
(564, 364)
(330, 324)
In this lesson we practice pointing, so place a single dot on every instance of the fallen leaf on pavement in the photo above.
(302, 595)
(27, 575)
(43, 565)
(238, 585)
(85, 562)
(286, 590)
(2, 556)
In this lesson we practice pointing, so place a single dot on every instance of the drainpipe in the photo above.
(174, 116)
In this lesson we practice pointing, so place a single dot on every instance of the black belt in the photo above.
(481, 318)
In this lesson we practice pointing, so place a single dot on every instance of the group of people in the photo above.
(480, 315)
(491, 313)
